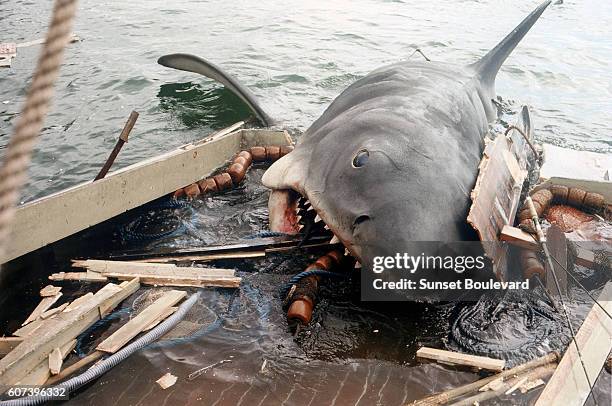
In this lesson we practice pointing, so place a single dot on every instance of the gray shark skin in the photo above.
(394, 157)
(422, 125)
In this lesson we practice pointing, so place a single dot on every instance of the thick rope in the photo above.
(13, 172)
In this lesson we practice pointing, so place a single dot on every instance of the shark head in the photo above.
(391, 163)
(361, 179)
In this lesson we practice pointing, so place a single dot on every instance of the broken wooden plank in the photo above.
(51, 218)
(162, 274)
(527, 386)
(29, 328)
(7, 344)
(42, 307)
(50, 290)
(169, 311)
(81, 363)
(518, 237)
(166, 381)
(78, 276)
(56, 331)
(55, 361)
(127, 267)
(133, 327)
(496, 195)
(78, 301)
(53, 311)
(57, 356)
(455, 358)
(569, 385)
(585, 257)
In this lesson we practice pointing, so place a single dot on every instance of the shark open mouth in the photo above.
(292, 213)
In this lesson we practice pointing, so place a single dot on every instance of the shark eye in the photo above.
(361, 158)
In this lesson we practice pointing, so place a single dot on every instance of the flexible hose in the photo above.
(97, 370)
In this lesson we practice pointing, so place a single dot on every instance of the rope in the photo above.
(304, 274)
(13, 172)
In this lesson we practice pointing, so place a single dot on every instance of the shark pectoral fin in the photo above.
(289, 172)
(192, 63)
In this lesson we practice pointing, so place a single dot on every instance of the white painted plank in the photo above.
(59, 215)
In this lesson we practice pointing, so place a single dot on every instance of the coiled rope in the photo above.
(13, 172)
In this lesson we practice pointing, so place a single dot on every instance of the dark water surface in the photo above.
(296, 57)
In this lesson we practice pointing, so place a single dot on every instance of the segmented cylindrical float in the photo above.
(302, 299)
(236, 171)
(554, 195)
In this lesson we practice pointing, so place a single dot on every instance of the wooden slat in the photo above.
(518, 237)
(133, 327)
(55, 361)
(169, 311)
(455, 358)
(8, 343)
(126, 267)
(569, 386)
(496, 195)
(53, 311)
(77, 276)
(59, 215)
(50, 290)
(79, 301)
(56, 331)
(161, 274)
(42, 307)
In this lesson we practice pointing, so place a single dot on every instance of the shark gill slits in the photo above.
(361, 158)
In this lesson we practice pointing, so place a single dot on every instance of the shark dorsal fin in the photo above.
(488, 66)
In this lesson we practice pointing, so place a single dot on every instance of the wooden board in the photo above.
(143, 319)
(455, 358)
(42, 307)
(518, 237)
(8, 343)
(157, 274)
(568, 386)
(105, 267)
(57, 331)
(61, 214)
(496, 195)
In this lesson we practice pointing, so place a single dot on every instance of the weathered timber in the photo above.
(497, 192)
(58, 330)
(143, 319)
(456, 358)
(569, 385)
(518, 237)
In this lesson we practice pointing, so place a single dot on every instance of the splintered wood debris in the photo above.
(150, 274)
(166, 381)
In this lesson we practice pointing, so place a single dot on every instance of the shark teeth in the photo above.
(318, 218)
(357, 265)
(334, 240)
